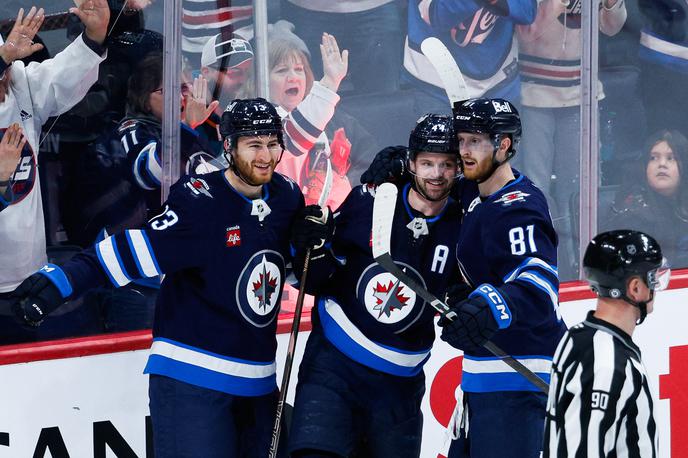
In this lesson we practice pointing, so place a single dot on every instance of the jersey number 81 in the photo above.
(517, 237)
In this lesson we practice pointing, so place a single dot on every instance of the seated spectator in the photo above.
(123, 169)
(122, 172)
(372, 29)
(11, 146)
(36, 92)
(660, 203)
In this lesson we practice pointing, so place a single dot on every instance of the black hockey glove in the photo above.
(479, 317)
(312, 228)
(388, 165)
(39, 295)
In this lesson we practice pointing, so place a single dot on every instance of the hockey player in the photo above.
(361, 379)
(600, 402)
(222, 240)
(507, 252)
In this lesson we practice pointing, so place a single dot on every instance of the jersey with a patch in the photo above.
(507, 240)
(365, 311)
(225, 261)
(481, 42)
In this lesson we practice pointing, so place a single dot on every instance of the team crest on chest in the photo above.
(511, 197)
(259, 287)
(387, 299)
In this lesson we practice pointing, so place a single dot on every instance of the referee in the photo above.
(599, 400)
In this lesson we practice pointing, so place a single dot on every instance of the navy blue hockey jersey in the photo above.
(365, 311)
(507, 240)
(225, 261)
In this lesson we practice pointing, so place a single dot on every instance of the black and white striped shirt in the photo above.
(599, 403)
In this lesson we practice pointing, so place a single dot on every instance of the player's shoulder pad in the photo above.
(195, 189)
(287, 187)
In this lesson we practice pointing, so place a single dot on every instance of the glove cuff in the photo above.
(57, 277)
(495, 300)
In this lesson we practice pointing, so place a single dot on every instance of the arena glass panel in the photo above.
(87, 156)
(643, 126)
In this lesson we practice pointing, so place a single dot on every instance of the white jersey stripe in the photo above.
(111, 263)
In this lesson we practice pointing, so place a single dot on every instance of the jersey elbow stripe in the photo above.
(530, 264)
(139, 169)
(210, 370)
(111, 261)
(304, 124)
(301, 142)
(141, 252)
(542, 284)
(153, 164)
(348, 339)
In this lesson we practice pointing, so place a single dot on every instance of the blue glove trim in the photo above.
(498, 306)
(57, 276)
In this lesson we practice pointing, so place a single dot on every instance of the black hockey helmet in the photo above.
(433, 133)
(250, 118)
(494, 117)
(612, 258)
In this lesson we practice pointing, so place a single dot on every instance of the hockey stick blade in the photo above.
(293, 336)
(383, 216)
(441, 59)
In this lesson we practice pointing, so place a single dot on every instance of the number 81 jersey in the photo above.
(507, 240)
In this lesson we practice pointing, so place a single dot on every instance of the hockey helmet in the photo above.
(433, 133)
(250, 118)
(612, 258)
(494, 117)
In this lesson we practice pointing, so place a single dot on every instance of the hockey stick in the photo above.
(441, 59)
(291, 349)
(383, 216)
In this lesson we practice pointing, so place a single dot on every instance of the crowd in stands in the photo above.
(82, 106)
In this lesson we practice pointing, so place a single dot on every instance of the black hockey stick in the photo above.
(383, 215)
(291, 349)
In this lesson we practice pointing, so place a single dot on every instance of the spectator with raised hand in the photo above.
(11, 146)
(36, 92)
(314, 129)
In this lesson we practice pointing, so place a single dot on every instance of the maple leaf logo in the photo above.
(389, 297)
(264, 287)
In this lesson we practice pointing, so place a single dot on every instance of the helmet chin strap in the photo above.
(495, 163)
(642, 305)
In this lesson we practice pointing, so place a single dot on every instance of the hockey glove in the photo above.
(313, 228)
(40, 294)
(479, 317)
(388, 165)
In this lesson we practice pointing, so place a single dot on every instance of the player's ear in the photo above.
(505, 144)
(227, 145)
(634, 288)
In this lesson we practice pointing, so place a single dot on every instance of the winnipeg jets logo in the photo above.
(259, 287)
(511, 197)
(388, 300)
(198, 187)
(389, 297)
(265, 286)
(480, 27)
